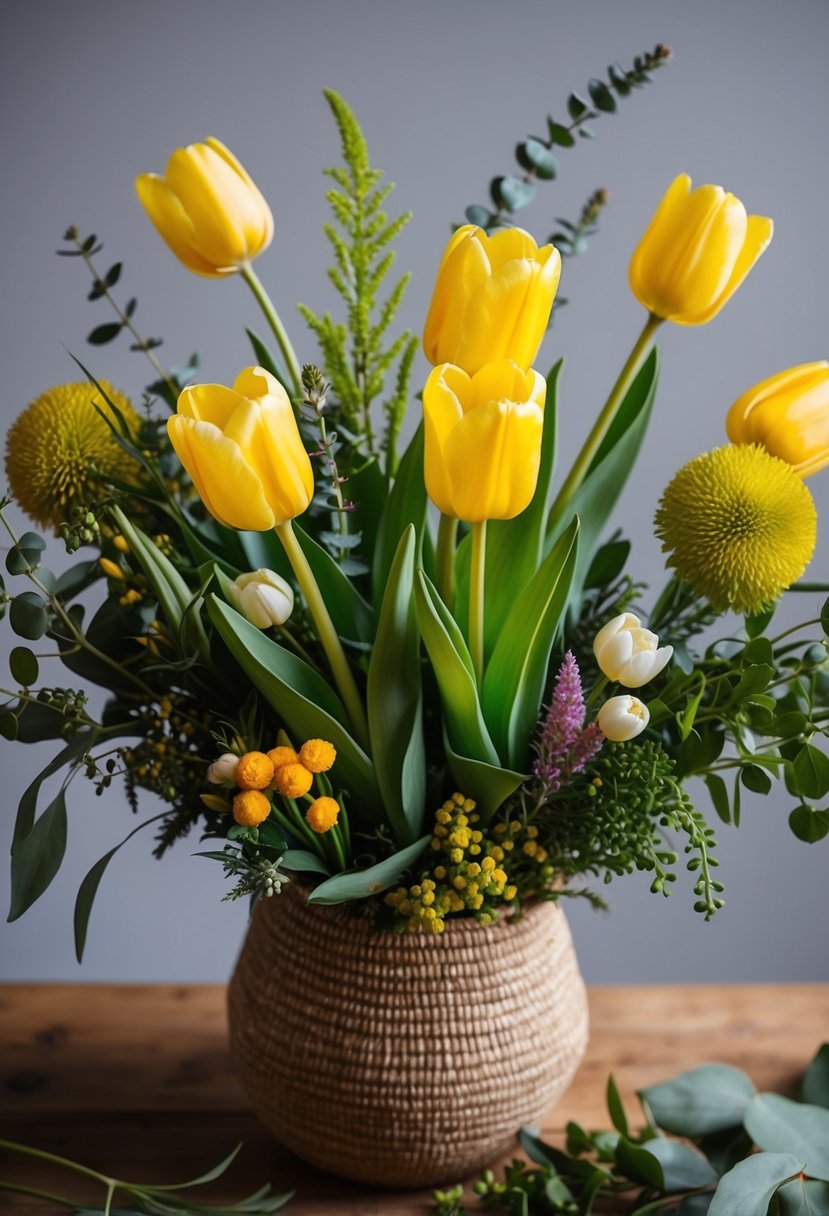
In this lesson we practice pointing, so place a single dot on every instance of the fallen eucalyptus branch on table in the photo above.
(147, 1198)
(740, 1153)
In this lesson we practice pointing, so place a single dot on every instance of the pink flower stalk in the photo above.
(565, 746)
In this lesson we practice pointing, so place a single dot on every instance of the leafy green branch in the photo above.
(739, 1151)
(355, 357)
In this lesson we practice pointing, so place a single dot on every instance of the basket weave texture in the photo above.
(404, 1060)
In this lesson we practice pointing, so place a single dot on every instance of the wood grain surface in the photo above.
(136, 1081)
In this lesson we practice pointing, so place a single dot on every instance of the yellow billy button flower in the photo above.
(622, 718)
(322, 814)
(250, 808)
(492, 299)
(739, 525)
(318, 755)
(263, 597)
(483, 439)
(207, 209)
(695, 253)
(292, 780)
(628, 653)
(243, 451)
(788, 415)
(282, 755)
(254, 771)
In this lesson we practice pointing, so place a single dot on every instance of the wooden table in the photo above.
(136, 1081)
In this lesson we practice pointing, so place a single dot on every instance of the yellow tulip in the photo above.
(242, 449)
(492, 299)
(483, 439)
(788, 415)
(695, 253)
(207, 209)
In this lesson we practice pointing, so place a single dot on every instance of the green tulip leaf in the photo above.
(361, 884)
(368, 489)
(454, 673)
(395, 699)
(302, 861)
(488, 785)
(305, 701)
(352, 616)
(748, 1188)
(406, 504)
(779, 1125)
(516, 675)
(268, 359)
(704, 1100)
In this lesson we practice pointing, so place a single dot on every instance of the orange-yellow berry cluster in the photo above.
(284, 771)
(466, 874)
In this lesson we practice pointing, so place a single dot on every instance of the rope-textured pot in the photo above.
(404, 1060)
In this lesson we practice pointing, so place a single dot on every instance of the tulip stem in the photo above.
(477, 576)
(328, 636)
(447, 539)
(562, 504)
(272, 317)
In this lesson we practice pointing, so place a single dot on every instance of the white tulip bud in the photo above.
(263, 597)
(223, 770)
(628, 653)
(622, 718)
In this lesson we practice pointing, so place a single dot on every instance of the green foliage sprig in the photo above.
(535, 156)
(740, 1151)
(355, 356)
(153, 1199)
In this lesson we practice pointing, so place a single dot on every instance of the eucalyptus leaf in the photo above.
(683, 1168)
(803, 1197)
(535, 155)
(23, 666)
(747, 1189)
(815, 1088)
(615, 1106)
(27, 616)
(512, 192)
(36, 858)
(779, 1125)
(361, 884)
(709, 1099)
(89, 889)
(24, 555)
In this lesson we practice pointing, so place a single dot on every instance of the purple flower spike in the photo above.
(565, 746)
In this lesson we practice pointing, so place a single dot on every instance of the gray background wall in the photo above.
(95, 92)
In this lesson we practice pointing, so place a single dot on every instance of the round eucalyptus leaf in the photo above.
(24, 666)
(559, 134)
(619, 80)
(25, 555)
(577, 106)
(809, 825)
(601, 96)
(512, 192)
(8, 726)
(478, 215)
(535, 155)
(27, 616)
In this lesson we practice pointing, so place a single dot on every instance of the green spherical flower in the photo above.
(739, 526)
(60, 451)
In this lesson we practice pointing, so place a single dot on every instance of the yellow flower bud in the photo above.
(110, 569)
(207, 209)
(695, 253)
(243, 451)
(628, 653)
(622, 718)
(492, 299)
(788, 415)
(483, 439)
(223, 770)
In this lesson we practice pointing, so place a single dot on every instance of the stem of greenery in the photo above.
(26, 1150)
(447, 540)
(29, 1190)
(476, 597)
(578, 472)
(272, 317)
(327, 633)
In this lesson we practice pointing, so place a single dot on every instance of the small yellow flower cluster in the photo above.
(466, 876)
(284, 771)
(167, 761)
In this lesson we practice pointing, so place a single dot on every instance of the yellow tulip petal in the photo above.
(172, 222)
(508, 244)
(495, 322)
(215, 403)
(256, 382)
(759, 231)
(464, 269)
(788, 414)
(266, 217)
(538, 303)
(503, 380)
(226, 219)
(229, 489)
(492, 458)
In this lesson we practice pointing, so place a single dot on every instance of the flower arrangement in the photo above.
(417, 682)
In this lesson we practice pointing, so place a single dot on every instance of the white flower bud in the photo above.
(622, 718)
(223, 770)
(263, 597)
(628, 653)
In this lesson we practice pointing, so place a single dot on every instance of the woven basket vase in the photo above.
(404, 1061)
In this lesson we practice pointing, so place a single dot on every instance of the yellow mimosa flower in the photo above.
(492, 299)
(695, 253)
(483, 439)
(788, 415)
(243, 451)
(207, 209)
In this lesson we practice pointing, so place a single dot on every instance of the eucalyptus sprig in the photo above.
(154, 1199)
(535, 155)
(740, 1152)
(355, 356)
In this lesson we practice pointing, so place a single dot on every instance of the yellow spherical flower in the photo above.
(292, 780)
(318, 755)
(282, 755)
(60, 451)
(322, 814)
(250, 808)
(739, 525)
(254, 771)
